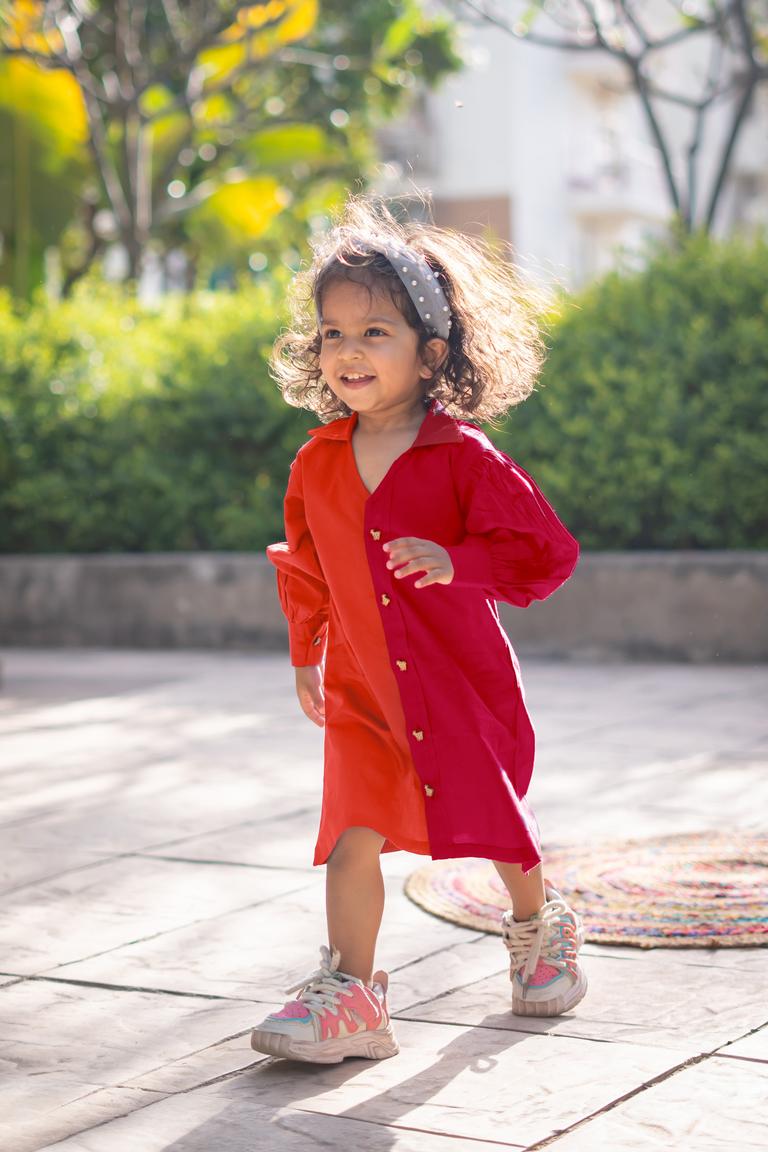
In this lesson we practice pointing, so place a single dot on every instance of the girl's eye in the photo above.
(333, 333)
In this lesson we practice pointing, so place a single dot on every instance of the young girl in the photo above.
(404, 527)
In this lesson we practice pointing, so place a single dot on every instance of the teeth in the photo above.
(356, 376)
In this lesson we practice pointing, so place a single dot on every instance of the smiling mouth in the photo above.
(356, 380)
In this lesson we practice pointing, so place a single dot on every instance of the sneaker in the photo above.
(546, 976)
(333, 1016)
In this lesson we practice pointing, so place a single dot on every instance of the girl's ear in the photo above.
(433, 356)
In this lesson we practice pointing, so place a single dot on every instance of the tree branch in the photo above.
(731, 23)
(95, 245)
(715, 66)
(530, 37)
(739, 115)
(658, 136)
(741, 111)
(689, 102)
(629, 15)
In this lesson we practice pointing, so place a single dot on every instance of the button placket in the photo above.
(411, 694)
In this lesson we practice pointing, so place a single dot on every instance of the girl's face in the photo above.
(369, 353)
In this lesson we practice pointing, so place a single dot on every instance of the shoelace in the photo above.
(551, 937)
(322, 990)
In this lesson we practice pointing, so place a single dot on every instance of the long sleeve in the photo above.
(301, 584)
(515, 548)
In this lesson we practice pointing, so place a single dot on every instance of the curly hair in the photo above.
(495, 348)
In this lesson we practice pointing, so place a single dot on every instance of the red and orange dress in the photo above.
(427, 738)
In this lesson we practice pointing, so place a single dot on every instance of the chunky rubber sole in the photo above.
(375, 1045)
(555, 1007)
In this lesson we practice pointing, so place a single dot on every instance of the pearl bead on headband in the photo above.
(421, 284)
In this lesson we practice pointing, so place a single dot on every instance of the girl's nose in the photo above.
(348, 349)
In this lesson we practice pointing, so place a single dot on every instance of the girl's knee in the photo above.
(355, 846)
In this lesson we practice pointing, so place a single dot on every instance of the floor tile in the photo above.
(159, 814)
(473, 1083)
(665, 1003)
(68, 1045)
(203, 1122)
(714, 1106)
(98, 909)
(751, 1047)
(257, 952)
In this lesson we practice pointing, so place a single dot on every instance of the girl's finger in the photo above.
(413, 558)
(436, 576)
(431, 569)
(405, 546)
(401, 542)
(411, 567)
(314, 710)
(315, 716)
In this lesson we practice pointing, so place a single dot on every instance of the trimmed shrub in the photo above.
(128, 429)
(650, 427)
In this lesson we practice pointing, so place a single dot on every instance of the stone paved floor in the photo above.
(156, 829)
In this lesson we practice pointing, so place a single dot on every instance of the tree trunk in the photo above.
(135, 251)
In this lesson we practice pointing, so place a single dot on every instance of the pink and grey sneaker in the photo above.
(333, 1016)
(546, 976)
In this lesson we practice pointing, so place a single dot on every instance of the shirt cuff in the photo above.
(307, 643)
(471, 563)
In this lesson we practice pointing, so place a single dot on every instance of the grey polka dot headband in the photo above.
(421, 284)
(419, 280)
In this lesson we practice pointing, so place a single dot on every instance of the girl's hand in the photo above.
(408, 555)
(309, 689)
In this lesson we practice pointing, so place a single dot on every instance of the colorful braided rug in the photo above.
(689, 891)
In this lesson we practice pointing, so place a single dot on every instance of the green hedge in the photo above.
(127, 429)
(651, 426)
(124, 428)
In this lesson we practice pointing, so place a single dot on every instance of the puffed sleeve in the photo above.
(300, 582)
(515, 548)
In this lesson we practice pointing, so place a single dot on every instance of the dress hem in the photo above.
(447, 851)
(417, 847)
(486, 852)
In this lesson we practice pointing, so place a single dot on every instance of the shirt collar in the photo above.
(437, 427)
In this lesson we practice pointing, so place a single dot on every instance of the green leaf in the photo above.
(289, 143)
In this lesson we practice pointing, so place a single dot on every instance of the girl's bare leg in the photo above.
(354, 896)
(526, 892)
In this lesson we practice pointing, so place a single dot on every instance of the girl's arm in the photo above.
(300, 581)
(515, 548)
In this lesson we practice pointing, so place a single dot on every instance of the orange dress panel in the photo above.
(369, 778)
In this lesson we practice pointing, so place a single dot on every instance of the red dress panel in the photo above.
(427, 738)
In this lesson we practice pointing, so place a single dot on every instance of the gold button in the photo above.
(402, 665)
(418, 734)
(429, 790)
(375, 534)
(384, 599)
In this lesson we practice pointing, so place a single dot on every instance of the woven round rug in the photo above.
(690, 891)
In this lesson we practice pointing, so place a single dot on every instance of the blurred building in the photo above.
(550, 150)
